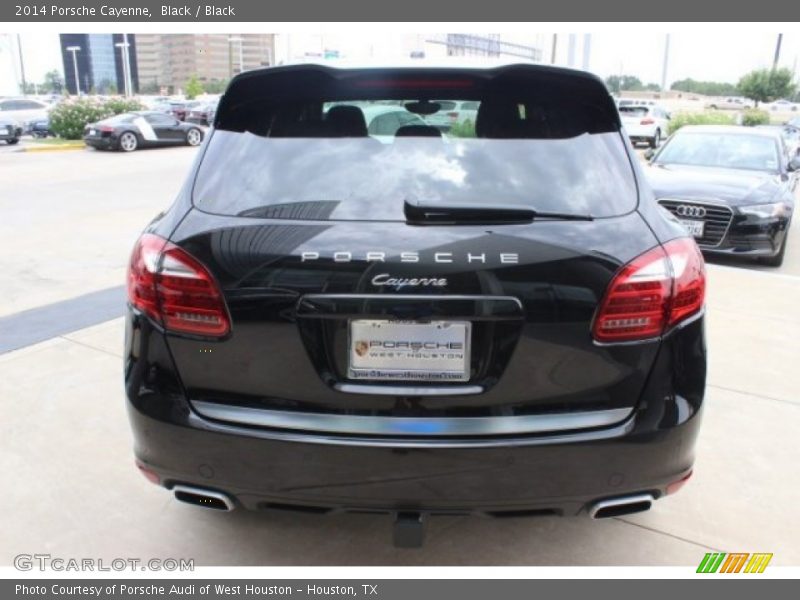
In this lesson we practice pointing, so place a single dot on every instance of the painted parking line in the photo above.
(39, 324)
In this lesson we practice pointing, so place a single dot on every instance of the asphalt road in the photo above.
(67, 228)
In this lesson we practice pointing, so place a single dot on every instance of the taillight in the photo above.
(106, 129)
(173, 288)
(652, 293)
(453, 115)
(646, 122)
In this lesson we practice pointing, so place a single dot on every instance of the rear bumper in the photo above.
(103, 143)
(561, 473)
(564, 476)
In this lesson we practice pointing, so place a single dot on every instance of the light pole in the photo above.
(75, 50)
(126, 64)
(665, 65)
(777, 52)
(22, 66)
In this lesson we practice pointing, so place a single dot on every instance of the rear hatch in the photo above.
(636, 119)
(423, 275)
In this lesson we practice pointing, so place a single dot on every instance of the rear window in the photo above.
(633, 111)
(355, 145)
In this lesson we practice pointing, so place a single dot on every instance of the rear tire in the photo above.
(655, 141)
(777, 260)
(13, 141)
(128, 142)
(194, 136)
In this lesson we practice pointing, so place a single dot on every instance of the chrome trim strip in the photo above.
(410, 426)
(397, 390)
(274, 435)
(420, 297)
(196, 491)
(623, 501)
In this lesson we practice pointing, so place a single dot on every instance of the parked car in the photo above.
(731, 187)
(383, 121)
(503, 325)
(181, 110)
(134, 130)
(23, 110)
(783, 105)
(203, 113)
(645, 124)
(451, 112)
(10, 130)
(40, 128)
(790, 135)
(635, 102)
(729, 104)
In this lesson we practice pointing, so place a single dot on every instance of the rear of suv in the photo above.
(503, 323)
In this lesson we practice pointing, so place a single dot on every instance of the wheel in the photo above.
(194, 137)
(128, 142)
(655, 141)
(713, 107)
(12, 141)
(777, 260)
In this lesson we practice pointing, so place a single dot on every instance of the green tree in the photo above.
(706, 88)
(624, 83)
(54, 81)
(767, 85)
(193, 88)
(216, 86)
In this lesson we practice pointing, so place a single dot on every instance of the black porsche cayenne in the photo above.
(347, 310)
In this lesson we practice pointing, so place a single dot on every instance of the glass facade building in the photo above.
(99, 63)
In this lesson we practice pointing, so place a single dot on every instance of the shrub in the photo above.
(462, 129)
(752, 117)
(69, 118)
(122, 105)
(678, 120)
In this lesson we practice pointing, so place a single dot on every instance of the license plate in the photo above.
(694, 228)
(409, 351)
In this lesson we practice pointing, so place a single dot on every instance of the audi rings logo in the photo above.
(685, 210)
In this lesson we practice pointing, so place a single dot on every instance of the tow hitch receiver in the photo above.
(409, 530)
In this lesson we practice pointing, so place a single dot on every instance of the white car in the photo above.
(23, 110)
(451, 112)
(729, 104)
(784, 105)
(645, 124)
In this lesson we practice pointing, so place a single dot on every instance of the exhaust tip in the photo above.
(617, 507)
(203, 498)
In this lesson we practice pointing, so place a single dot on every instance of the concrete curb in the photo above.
(60, 148)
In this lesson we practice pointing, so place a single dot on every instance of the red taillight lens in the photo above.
(106, 129)
(453, 115)
(689, 273)
(655, 291)
(646, 122)
(172, 287)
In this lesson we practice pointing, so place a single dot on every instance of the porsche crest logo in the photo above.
(361, 347)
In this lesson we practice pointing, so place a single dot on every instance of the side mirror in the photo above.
(794, 164)
(649, 153)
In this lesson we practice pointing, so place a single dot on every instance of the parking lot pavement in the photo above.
(71, 218)
(74, 491)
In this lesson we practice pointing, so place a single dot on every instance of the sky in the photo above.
(717, 55)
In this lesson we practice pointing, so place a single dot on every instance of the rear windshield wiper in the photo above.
(421, 214)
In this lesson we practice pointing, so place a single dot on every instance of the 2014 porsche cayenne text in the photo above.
(336, 316)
